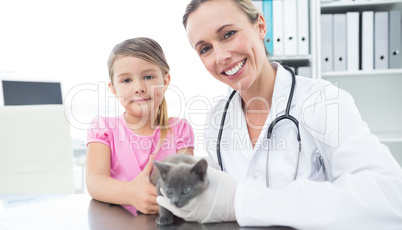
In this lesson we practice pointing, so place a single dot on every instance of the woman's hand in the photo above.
(143, 192)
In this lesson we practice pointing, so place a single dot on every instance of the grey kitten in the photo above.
(181, 177)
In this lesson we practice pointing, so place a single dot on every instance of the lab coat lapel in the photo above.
(241, 132)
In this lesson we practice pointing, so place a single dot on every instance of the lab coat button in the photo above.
(256, 174)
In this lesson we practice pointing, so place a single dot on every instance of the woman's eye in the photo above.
(186, 190)
(126, 80)
(168, 190)
(229, 34)
(204, 50)
(148, 77)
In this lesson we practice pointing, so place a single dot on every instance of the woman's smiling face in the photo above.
(229, 45)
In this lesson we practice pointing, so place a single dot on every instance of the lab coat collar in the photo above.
(283, 82)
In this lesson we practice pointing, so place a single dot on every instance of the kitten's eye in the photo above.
(186, 190)
(168, 191)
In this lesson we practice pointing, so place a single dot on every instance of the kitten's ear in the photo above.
(162, 168)
(200, 169)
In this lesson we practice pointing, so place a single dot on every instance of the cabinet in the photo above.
(377, 93)
(295, 61)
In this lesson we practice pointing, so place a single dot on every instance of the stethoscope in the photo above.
(270, 128)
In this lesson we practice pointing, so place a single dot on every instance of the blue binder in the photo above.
(267, 8)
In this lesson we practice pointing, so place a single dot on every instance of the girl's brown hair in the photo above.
(150, 51)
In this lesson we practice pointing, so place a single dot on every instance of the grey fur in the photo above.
(182, 178)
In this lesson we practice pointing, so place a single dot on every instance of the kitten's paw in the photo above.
(163, 220)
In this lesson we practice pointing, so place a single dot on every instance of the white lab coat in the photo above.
(364, 182)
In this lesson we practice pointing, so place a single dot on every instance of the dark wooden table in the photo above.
(76, 212)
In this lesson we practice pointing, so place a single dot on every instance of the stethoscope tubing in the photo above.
(218, 144)
(270, 128)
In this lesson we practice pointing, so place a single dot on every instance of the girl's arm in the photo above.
(187, 151)
(140, 192)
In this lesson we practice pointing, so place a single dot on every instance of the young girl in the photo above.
(120, 149)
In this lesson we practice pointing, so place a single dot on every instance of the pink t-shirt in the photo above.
(130, 152)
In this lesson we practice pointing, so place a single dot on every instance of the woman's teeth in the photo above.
(235, 69)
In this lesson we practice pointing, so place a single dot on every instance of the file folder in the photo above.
(267, 10)
(303, 27)
(277, 21)
(339, 42)
(368, 40)
(290, 27)
(352, 41)
(381, 40)
(394, 39)
(326, 42)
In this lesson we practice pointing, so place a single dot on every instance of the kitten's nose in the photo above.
(175, 202)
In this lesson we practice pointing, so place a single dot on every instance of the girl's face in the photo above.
(230, 47)
(139, 85)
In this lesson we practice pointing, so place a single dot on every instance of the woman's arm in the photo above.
(140, 192)
(364, 190)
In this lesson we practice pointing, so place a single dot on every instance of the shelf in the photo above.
(291, 58)
(379, 73)
(360, 6)
(389, 137)
(338, 4)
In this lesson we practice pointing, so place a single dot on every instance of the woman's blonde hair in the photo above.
(244, 5)
(150, 51)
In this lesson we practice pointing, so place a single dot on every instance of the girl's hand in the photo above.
(143, 192)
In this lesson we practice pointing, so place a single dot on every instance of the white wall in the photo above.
(70, 41)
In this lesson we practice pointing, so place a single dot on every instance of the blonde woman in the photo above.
(320, 168)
